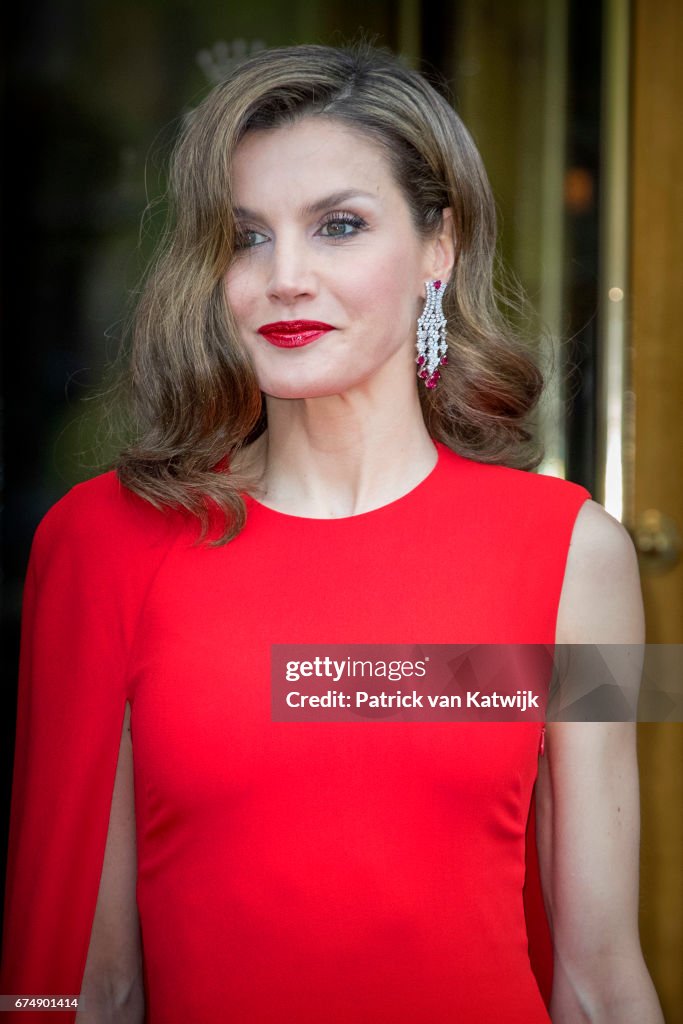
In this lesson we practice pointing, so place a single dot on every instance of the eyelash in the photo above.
(333, 218)
(345, 218)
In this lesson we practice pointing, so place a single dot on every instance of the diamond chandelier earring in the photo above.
(431, 336)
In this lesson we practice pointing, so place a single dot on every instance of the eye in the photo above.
(247, 239)
(342, 225)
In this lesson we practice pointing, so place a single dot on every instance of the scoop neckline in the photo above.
(390, 506)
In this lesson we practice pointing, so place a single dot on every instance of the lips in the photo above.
(294, 333)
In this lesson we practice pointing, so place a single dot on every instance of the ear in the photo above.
(441, 252)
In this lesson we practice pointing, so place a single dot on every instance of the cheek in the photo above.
(385, 288)
(394, 305)
(239, 292)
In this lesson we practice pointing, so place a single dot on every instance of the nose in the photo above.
(292, 273)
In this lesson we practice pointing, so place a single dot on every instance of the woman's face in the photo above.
(327, 241)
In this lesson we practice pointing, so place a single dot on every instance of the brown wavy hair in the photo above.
(193, 394)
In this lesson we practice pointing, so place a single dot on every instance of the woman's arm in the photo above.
(112, 988)
(587, 799)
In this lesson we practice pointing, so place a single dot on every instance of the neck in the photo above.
(341, 455)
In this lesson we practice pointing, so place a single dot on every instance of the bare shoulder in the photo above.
(601, 600)
(597, 535)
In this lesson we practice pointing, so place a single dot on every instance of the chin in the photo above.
(319, 387)
(294, 390)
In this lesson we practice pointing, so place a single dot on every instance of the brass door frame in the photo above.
(615, 449)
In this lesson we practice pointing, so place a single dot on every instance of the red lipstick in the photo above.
(294, 333)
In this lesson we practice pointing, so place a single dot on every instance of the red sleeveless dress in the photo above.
(287, 871)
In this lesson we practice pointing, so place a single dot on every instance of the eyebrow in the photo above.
(335, 199)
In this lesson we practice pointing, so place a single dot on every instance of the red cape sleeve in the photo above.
(91, 561)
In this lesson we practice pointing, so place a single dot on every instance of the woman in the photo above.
(178, 855)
